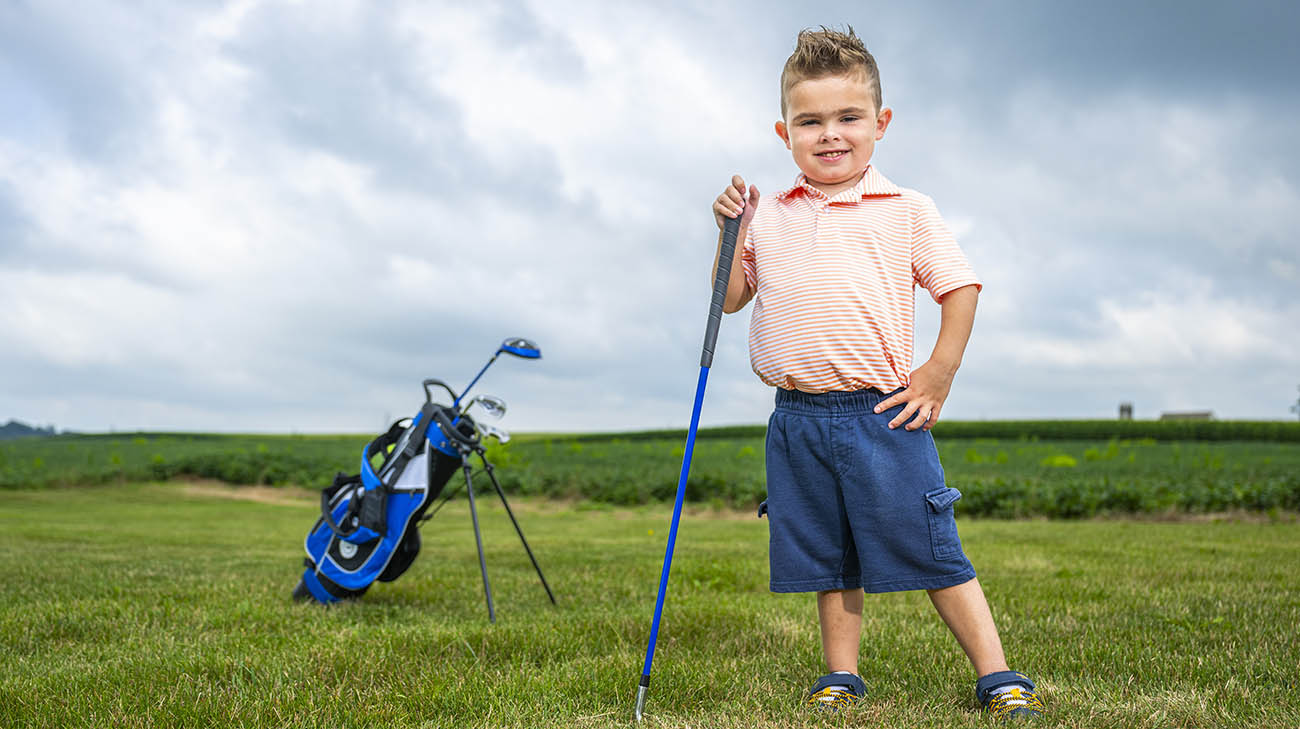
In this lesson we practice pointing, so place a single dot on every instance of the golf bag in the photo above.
(368, 529)
(369, 524)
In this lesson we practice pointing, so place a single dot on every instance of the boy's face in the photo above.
(831, 127)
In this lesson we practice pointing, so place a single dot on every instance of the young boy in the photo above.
(856, 497)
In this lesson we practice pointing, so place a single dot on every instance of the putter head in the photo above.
(520, 347)
(493, 406)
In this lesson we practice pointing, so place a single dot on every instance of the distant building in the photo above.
(1126, 411)
(1189, 415)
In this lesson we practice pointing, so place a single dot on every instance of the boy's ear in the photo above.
(784, 133)
(882, 121)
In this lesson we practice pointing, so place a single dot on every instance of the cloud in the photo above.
(1192, 329)
(281, 215)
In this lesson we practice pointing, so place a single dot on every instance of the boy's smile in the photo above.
(831, 128)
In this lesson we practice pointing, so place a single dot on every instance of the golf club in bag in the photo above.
(368, 529)
(730, 231)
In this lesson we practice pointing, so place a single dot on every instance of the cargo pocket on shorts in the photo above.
(943, 527)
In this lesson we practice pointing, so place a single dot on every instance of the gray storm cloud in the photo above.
(281, 216)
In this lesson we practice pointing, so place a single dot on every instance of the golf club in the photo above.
(493, 406)
(489, 431)
(730, 231)
(516, 346)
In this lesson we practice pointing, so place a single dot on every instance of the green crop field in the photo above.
(997, 477)
(166, 605)
(1040, 472)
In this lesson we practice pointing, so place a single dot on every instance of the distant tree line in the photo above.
(15, 429)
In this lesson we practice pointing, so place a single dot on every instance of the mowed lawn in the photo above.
(168, 605)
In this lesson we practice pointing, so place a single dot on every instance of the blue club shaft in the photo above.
(465, 392)
(672, 531)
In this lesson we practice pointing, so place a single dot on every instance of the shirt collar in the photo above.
(872, 183)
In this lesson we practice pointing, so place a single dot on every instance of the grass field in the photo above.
(137, 605)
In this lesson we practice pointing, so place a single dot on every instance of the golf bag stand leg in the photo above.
(478, 538)
(496, 485)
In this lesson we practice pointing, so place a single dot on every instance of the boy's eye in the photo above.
(807, 122)
(850, 119)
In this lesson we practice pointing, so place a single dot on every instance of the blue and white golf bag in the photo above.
(368, 529)
(369, 524)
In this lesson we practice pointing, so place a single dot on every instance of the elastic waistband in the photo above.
(836, 402)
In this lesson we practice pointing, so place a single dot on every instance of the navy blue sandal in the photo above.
(1020, 701)
(835, 691)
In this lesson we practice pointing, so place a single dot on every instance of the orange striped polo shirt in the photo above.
(834, 281)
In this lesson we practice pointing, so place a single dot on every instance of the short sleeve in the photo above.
(938, 264)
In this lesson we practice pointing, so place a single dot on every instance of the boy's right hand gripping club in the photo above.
(730, 232)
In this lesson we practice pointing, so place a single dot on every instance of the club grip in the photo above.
(730, 232)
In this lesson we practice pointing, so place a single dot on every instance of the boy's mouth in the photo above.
(832, 155)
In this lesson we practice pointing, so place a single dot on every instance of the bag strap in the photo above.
(327, 513)
(469, 441)
(410, 439)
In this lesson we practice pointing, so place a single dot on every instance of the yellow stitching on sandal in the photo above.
(1002, 704)
(832, 698)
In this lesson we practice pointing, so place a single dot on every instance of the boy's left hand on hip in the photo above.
(924, 397)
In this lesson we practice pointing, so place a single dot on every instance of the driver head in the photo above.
(520, 347)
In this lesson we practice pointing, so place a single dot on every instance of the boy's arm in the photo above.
(931, 381)
(728, 205)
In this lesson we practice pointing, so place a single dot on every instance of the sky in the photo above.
(282, 216)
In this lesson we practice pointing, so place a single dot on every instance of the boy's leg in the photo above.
(840, 614)
(1002, 692)
(966, 612)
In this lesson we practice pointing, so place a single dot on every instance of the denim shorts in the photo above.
(852, 504)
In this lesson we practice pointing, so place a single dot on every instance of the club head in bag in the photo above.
(520, 347)
(493, 406)
(515, 346)
(491, 431)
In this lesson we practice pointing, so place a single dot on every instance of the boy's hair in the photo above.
(826, 52)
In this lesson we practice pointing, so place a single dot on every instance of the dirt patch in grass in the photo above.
(281, 495)
(297, 495)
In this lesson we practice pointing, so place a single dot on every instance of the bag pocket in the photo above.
(374, 512)
(943, 526)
